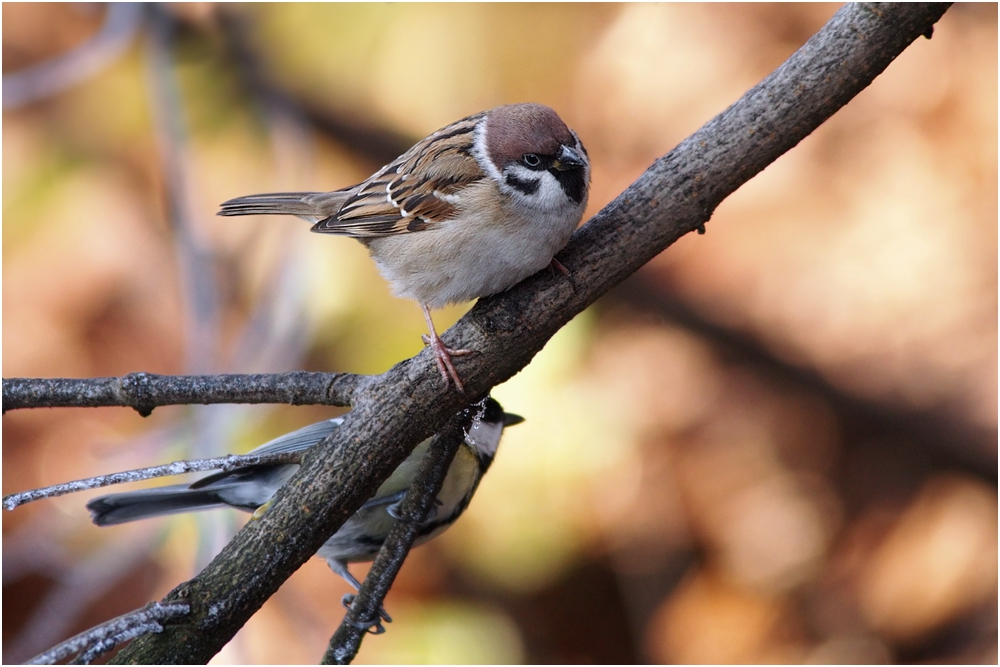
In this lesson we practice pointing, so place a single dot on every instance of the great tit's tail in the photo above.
(118, 508)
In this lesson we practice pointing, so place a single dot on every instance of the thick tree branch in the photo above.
(406, 404)
(145, 391)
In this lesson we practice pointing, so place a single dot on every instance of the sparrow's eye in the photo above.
(531, 160)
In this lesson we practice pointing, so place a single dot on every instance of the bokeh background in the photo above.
(776, 443)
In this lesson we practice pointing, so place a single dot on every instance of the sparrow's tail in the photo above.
(309, 205)
(134, 505)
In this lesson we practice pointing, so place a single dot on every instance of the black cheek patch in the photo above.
(527, 187)
(573, 183)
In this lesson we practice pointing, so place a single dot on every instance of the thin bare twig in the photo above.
(226, 463)
(104, 637)
(121, 22)
(145, 391)
(104, 645)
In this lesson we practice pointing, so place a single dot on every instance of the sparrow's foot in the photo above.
(443, 353)
(442, 356)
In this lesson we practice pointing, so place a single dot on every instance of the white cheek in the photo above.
(521, 172)
(550, 193)
(485, 436)
(548, 197)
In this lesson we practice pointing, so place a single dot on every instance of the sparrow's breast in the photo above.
(484, 250)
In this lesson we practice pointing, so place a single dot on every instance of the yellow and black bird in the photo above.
(361, 536)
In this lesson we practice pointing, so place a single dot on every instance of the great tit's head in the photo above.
(487, 427)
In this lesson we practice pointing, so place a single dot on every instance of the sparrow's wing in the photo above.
(415, 191)
(310, 205)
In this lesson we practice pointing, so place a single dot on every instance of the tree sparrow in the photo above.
(469, 211)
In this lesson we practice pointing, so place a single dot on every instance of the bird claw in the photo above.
(558, 266)
(393, 511)
(372, 626)
(442, 357)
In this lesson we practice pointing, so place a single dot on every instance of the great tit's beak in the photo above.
(567, 159)
(510, 419)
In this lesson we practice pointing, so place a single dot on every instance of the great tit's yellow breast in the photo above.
(403, 476)
(460, 481)
(360, 537)
(459, 484)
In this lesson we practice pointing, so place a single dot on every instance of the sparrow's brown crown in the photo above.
(517, 129)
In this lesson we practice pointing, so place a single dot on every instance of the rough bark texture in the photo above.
(394, 411)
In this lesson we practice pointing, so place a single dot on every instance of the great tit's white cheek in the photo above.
(485, 436)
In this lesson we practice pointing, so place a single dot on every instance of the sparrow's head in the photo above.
(535, 158)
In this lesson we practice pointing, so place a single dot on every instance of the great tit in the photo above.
(361, 536)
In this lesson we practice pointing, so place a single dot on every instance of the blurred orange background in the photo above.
(775, 443)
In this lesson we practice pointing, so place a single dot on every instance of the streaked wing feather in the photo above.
(411, 193)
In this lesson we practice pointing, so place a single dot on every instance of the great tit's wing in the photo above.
(247, 487)
(301, 439)
(296, 441)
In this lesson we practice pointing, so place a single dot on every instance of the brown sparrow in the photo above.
(469, 211)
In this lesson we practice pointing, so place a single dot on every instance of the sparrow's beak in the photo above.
(509, 419)
(568, 159)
